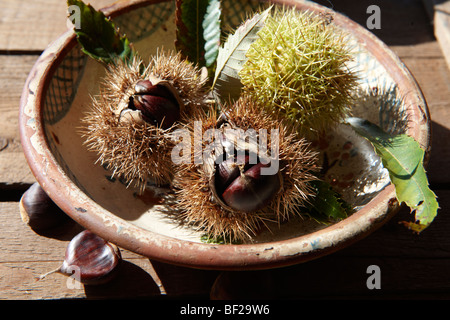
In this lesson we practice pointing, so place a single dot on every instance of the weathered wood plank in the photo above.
(14, 71)
(442, 28)
(25, 255)
(409, 263)
(14, 169)
(433, 77)
(19, 243)
(401, 22)
(439, 13)
(18, 282)
(393, 240)
(340, 278)
(410, 266)
(33, 25)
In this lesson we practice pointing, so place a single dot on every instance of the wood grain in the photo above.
(32, 25)
(439, 13)
(433, 77)
(411, 266)
(14, 70)
(25, 255)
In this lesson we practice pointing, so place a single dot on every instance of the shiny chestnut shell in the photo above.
(239, 185)
(94, 258)
(251, 190)
(39, 212)
(157, 104)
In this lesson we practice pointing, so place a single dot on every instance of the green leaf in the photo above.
(232, 56)
(189, 22)
(98, 35)
(211, 31)
(403, 157)
(207, 238)
(327, 205)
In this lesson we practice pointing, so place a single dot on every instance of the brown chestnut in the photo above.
(91, 259)
(242, 186)
(39, 212)
(227, 171)
(156, 103)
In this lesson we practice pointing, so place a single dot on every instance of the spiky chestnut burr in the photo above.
(137, 106)
(382, 105)
(201, 189)
(298, 66)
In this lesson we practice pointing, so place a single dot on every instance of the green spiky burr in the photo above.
(298, 66)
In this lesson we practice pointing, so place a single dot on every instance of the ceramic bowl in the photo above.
(58, 92)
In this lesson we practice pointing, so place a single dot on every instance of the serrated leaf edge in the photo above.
(428, 197)
(211, 31)
(233, 44)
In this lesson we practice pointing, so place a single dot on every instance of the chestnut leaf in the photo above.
(98, 36)
(403, 157)
(207, 238)
(189, 36)
(212, 31)
(327, 205)
(232, 56)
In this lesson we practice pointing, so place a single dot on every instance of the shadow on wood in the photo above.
(131, 281)
(186, 282)
(401, 22)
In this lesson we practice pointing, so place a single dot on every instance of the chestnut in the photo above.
(41, 214)
(227, 171)
(92, 259)
(157, 103)
(241, 185)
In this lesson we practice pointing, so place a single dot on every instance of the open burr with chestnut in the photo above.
(137, 106)
(240, 184)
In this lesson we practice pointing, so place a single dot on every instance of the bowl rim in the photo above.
(163, 248)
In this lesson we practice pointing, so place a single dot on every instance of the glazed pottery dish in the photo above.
(59, 91)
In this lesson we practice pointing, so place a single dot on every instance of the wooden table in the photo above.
(410, 265)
